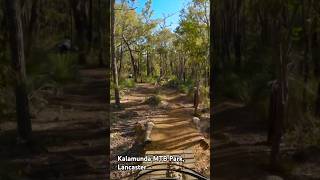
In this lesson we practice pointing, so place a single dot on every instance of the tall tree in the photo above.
(33, 24)
(107, 47)
(18, 65)
(113, 57)
(81, 22)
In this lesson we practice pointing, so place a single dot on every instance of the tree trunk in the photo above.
(119, 61)
(196, 98)
(275, 122)
(100, 34)
(184, 69)
(305, 10)
(18, 65)
(71, 25)
(315, 50)
(161, 64)
(281, 95)
(138, 64)
(79, 14)
(238, 37)
(134, 67)
(31, 27)
(148, 64)
(317, 109)
(113, 57)
(90, 27)
(106, 6)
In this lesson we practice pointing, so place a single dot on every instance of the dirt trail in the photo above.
(173, 129)
(70, 133)
(241, 151)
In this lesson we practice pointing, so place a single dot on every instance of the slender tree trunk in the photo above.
(305, 10)
(275, 120)
(238, 36)
(100, 34)
(281, 94)
(120, 59)
(106, 6)
(161, 66)
(315, 56)
(78, 7)
(180, 67)
(148, 64)
(31, 27)
(18, 65)
(138, 64)
(90, 28)
(315, 50)
(184, 69)
(134, 67)
(113, 57)
(317, 108)
(71, 25)
(196, 97)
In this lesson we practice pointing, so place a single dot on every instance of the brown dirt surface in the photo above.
(69, 135)
(241, 152)
(173, 129)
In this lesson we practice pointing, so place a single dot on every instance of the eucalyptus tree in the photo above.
(18, 65)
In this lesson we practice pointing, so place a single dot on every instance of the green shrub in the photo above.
(127, 83)
(55, 69)
(63, 67)
(247, 89)
(305, 132)
(204, 96)
(183, 88)
(154, 100)
(172, 82)
(151, 79)
(233, 87)
(7, 103)
(175, 83)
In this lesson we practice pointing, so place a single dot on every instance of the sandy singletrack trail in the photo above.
(69, 133)
(173, 128)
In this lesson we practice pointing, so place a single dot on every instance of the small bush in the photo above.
(127, 83)
(63, 67)
(151, 79)
(204, 96)
(154, 100)
(232, 86)
(248, 89)
(44, 67)
(183, 88)
(7, 105)
(305, 133)
(173, 82)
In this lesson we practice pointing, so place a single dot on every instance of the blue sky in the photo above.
(166, 7)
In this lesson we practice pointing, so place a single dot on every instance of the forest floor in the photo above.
(241, 151)
(173, 129)
(69, 135)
